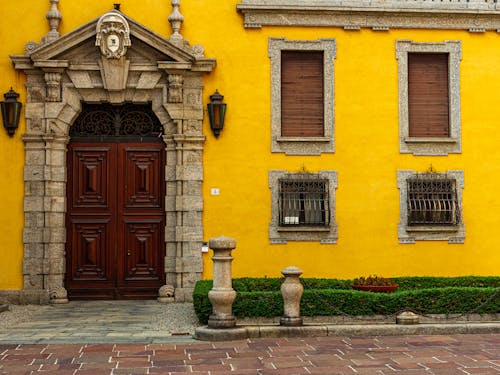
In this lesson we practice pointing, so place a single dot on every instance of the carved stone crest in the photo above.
(113, 35)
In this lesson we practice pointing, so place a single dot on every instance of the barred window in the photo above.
(303, 202)
(432, 201)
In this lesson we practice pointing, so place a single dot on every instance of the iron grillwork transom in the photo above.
(432, 200)
(303, 202)
(107, 121)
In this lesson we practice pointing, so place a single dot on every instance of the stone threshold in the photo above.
(312, 330)
(4, 308)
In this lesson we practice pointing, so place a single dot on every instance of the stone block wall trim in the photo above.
(472, 15)
(323, 235)
(25, 297)
(55, 91)
(430, 146)
(454, 235)
(302, 146)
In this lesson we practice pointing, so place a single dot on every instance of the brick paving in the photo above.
(438, 354)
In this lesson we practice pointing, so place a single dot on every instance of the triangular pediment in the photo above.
(146, 45)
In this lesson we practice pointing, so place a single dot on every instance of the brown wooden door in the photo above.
(115, 220)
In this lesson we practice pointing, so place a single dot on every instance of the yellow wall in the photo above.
(366, 136)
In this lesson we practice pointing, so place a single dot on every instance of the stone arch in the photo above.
(70, 70)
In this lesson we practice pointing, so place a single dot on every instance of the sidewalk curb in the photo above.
(275, 331)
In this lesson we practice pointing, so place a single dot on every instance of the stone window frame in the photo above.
(282, 234)
(438, 146)
(302, 145)
(409, 235)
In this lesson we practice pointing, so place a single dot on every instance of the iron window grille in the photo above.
(303, 202)
(108, 122)
(432, 200)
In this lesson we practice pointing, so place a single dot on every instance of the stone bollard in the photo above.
(407, 317)
(291, 290)
(222, 294)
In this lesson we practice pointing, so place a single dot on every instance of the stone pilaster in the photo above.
(34, 214)
(55, 210)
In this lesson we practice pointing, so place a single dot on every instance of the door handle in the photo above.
(129, 253)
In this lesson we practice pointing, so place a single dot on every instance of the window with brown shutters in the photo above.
(302, 94)
(428, 96)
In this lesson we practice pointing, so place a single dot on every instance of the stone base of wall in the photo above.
(183, 294)
(24, 297)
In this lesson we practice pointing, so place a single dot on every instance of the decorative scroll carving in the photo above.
(198, 50)
(58, 295)
(175, 88)
(54, 17)
(53, 81)
(97, 120)
(113, 35)
(166, 293)
(30, 47)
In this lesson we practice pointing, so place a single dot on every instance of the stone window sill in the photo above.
(303, 229)
(303, 139)
(444, 229)
(430, 140)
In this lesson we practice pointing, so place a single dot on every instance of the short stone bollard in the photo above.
(407, 318)
(222, 294)
(291, 290)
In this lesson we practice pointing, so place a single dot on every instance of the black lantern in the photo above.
(11, 111)
(216, 112)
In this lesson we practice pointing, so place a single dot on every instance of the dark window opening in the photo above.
(432, 201)
(303, 202)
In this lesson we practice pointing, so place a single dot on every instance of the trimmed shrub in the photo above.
(426, 295)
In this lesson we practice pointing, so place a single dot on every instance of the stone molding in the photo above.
(323, 235)
(63, 74)
(430, 146)
(471, 15)
(303, 145)
(406, 235)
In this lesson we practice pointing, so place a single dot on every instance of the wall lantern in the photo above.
(216, 112)
(11, 111)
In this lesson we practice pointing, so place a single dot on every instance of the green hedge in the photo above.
(427, 295)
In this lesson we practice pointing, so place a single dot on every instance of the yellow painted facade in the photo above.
(366, 155)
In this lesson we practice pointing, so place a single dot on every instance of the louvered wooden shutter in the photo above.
(302, 94)
(428, 98)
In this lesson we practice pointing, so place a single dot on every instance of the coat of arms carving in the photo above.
(113, 35)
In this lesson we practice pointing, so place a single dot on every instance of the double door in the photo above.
(115, 244)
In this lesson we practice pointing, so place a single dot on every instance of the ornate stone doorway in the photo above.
(115, 60)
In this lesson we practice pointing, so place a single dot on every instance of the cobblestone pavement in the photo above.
(94, 322)
(443, 354)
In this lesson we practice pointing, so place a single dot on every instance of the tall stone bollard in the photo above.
(222, 294)
(291, 290)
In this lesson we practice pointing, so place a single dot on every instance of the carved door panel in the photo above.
(141, 217)
(115, 220)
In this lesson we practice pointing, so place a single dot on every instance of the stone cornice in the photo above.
(472, 15)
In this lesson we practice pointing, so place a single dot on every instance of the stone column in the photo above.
(291, 290)
(222, 294)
